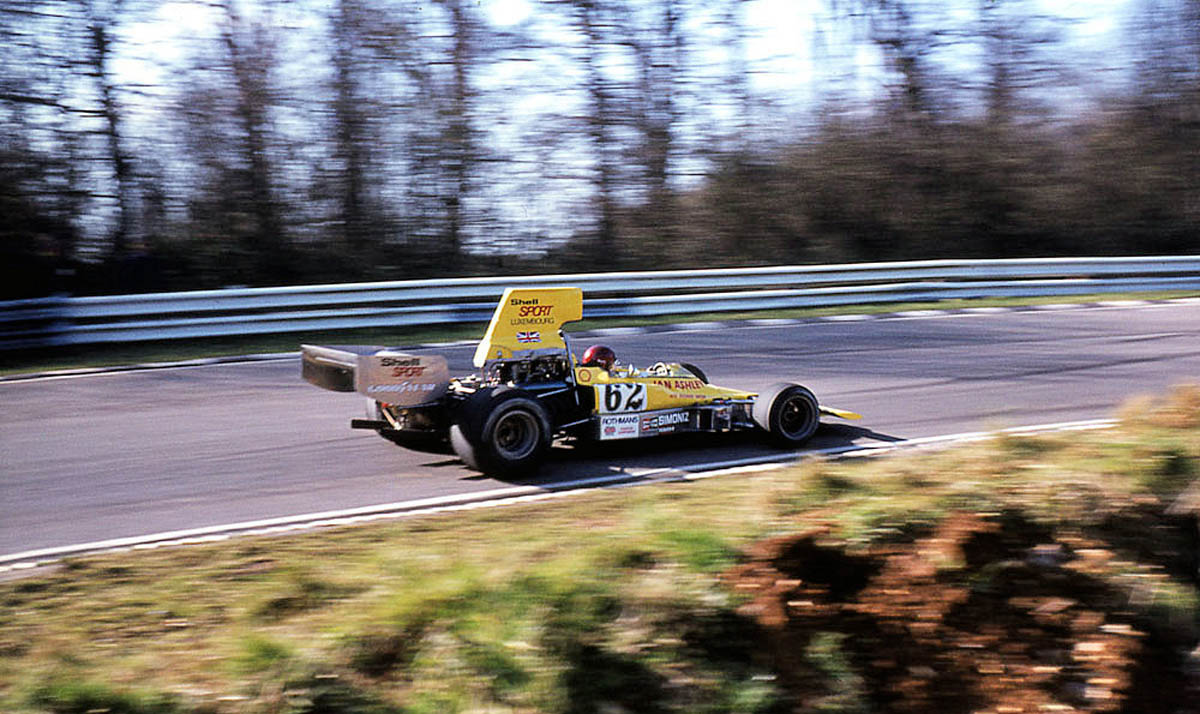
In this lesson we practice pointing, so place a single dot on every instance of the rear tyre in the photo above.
(789, 412)
(502, 432)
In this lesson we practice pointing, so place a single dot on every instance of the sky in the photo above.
(781, 49)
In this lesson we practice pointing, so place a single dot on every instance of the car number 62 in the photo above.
(617, 398)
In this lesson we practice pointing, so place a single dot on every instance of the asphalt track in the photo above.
(123, 454)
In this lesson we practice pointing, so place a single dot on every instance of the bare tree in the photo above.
(659, 49)
(47, 119)
(591, 19)
(248, 45)
(906, 47)
(1166, 45)
(1018, 42)
(458, 134)
(349, 126)
(100, 23)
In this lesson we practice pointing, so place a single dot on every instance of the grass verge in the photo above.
(106, 355)
(829, 586)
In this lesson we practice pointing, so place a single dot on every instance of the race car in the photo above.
(531, 389)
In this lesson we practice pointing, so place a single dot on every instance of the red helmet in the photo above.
(599, 356)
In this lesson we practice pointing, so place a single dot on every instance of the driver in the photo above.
(599, 356)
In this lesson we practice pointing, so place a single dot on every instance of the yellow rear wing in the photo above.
(528, 323)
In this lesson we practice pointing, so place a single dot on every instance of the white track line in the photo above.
(507, 496)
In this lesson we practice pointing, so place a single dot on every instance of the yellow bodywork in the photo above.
(626, 389)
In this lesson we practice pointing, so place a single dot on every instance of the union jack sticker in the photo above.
(527, 337)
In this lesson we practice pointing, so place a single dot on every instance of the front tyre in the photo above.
(502, 432)
(789, 412)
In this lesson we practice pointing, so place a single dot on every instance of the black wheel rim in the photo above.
(516, 435)
(797, 418)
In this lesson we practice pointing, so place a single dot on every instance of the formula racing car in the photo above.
(530, 389)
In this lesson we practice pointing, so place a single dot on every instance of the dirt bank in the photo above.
(984, 613)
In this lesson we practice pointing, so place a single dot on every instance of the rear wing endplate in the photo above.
(391, 377)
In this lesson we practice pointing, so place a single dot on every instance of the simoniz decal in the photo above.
(669, 419)
(662, 423)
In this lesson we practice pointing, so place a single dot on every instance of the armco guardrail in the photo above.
(58, 321)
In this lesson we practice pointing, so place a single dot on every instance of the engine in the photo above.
(539, 370)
